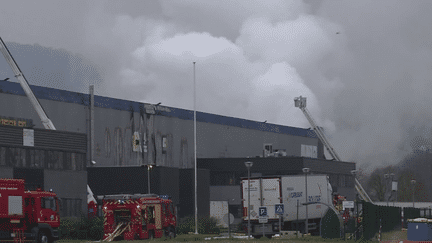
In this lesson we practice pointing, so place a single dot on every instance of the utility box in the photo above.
(420, 229)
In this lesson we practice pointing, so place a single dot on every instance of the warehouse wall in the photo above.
(186, 207)
(6, 172)
(166, 133)
(69, 187)
(134, 180)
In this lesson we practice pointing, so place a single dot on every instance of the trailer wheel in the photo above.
(42, 237)
(269, 236)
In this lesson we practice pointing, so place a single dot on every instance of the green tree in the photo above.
(405, 188)
(376, 187)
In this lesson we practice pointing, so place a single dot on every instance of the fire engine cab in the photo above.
(27, 215)
(138, 216)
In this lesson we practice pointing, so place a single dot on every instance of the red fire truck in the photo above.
(27, 215)
(138, 216)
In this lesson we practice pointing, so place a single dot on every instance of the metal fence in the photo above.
(374, 218)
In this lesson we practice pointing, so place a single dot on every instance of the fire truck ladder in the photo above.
(47, 123)
(300, 102)
(24, 84)
(121, 227)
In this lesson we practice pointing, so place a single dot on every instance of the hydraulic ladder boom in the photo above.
(24, 84)
(300, 102)
(47, 123)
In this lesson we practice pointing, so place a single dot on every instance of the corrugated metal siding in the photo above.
(60, 140)
(45, 139)
(11, 136)
(327, 166)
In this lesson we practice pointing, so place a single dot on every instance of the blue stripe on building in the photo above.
(125, 105)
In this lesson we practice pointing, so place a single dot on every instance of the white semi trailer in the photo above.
(268, 192)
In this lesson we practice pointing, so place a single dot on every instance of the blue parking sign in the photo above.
(279, 209)
(262, 211)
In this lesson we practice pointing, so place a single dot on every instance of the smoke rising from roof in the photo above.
(363, 66)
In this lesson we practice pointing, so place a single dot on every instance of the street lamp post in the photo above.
(306, 171)
(248, 165)
(149, 167)
(391, 186)
(354, 173)
(413, 182)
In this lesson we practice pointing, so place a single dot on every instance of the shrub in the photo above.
(206, 225)
(82, 229)
(241, 227)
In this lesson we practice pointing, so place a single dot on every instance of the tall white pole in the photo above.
(91, 124)
(148, 177)
(248, 203)
(307, 214)
(306, 171)
(195, 156)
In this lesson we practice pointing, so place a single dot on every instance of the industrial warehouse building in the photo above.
(129, 135)
(46, 159)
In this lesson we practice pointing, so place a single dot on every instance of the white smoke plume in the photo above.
(364, 66)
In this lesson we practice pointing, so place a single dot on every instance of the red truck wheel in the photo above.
(42, 237)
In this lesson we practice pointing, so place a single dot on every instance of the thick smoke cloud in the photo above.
(364, 66)
(385, 104)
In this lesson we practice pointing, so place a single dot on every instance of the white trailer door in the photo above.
(255, 197)
(317, 192)
(293, 197)
(271, 195)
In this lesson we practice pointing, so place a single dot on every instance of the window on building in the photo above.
(2, 156)
(333, 178)
(342, 180)
(107, 143)
(224, 179)
(164, 144)
(349, 181)
(39, 158)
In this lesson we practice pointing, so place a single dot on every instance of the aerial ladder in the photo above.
(47, 123)
(300, 102)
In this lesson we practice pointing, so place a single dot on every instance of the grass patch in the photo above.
(387, 236)
(202, 238)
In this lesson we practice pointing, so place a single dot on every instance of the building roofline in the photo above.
(46, 93)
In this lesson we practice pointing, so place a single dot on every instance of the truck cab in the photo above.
(42, 207)
(27, 215)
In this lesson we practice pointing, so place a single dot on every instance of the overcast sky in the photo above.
(364, 66)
